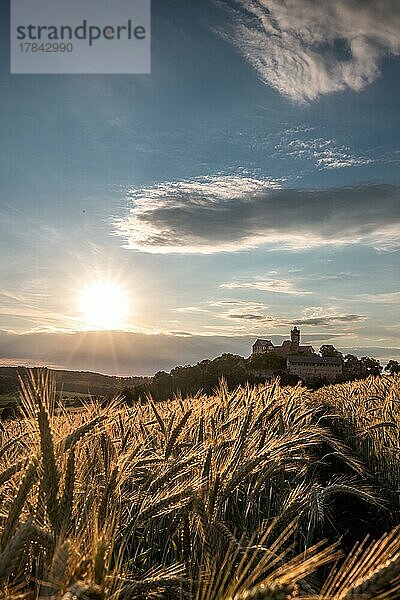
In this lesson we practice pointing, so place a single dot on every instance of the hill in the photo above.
(78, 382)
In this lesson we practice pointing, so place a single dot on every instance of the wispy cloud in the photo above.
(220, 214)
(250, 304)
(247, 317)
(30, 305)
(190, 309)
(278, 286)
(325, 153)
(305, 48)
(256, 316)
(329, 320)
(342, 275)
(10, 296)
(384, 298)
(383, 354)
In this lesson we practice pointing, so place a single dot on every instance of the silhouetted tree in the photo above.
(372, 365)
(353, 368)
(329, 351)
(393, 367)
(267, 360)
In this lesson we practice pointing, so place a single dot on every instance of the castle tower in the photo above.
(295, 336)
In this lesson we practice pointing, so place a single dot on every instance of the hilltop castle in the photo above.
(302, 360)
(291, 346)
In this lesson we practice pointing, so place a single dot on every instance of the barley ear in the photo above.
(12, 553)
(67, 499)
(109, 490)
(50, 475)
(58, 570)
(375, 583)
(26, 484)
(83, 591)
(273, 591)
(175, 433)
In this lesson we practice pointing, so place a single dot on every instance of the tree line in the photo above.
(236, 370)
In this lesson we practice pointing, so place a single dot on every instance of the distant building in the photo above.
(302, 361)
(312, 367)
(288, 346)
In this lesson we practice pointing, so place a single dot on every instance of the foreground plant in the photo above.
(227, 497)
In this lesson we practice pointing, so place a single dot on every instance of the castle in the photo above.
(288, 346)
(302, 361)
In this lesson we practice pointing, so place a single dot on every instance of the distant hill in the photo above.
(79, 382)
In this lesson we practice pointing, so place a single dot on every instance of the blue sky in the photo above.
(250, 182)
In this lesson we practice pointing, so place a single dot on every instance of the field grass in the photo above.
(260, 493)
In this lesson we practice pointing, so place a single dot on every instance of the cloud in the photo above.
(328, 320)
(383, 354)
(306, 48)
(312, 316)
(181, 333)
(10, 296)
(320, 316)
(247, 317)
(248, 304)
(333, 276)
(325, 153)
(279, 286)
(219, 214)
(385, 298)
(190, 309)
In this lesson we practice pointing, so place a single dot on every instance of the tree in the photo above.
(393, 367)
(162, 385)
(372, 365)
(353, 368)
(132, 395)
(267, 360)
(329, 351)
(231, 367)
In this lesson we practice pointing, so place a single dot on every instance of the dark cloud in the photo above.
(330, 320)
(234, 213)
(247, 317)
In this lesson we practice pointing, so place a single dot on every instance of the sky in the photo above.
(249, 183)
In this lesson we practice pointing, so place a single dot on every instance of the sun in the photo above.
(103, 305)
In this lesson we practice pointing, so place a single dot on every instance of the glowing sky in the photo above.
(250, 182)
